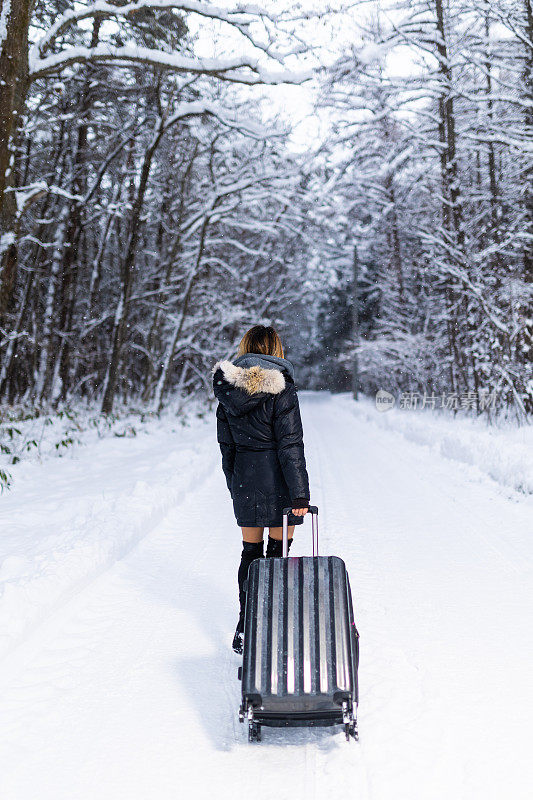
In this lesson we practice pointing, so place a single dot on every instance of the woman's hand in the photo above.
(301, 506)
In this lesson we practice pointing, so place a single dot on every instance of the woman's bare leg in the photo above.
(277, 533)
(254, 535)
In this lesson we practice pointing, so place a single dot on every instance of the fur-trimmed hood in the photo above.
(252, 379)
(240, 388)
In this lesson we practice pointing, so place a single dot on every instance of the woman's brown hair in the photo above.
(262, 340)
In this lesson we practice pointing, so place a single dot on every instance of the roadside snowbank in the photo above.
(502, 452)
(30, 435)
(69, 519)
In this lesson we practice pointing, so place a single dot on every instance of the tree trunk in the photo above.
(127, 274)
(96, 271)
(452, 212)
(395, 239)
(171, 347)
(10, 355)
(171, 255)
(46, 356)
(71, 259)
(527, 339)
(14, 23)
(491, 160)
(355, 326)
(528, 82)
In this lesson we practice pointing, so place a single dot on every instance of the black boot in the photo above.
(275, 548)
(250, 551)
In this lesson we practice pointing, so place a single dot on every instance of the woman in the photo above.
(260, 435)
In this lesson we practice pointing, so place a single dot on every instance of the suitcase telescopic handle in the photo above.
(313, 510)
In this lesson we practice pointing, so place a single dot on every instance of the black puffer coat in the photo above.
(259, 430)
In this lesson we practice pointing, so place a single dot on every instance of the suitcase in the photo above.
(301, 646)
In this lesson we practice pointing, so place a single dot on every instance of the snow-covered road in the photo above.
(119, 604)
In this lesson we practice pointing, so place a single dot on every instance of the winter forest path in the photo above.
(129, 688)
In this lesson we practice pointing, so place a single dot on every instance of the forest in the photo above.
(157, 199)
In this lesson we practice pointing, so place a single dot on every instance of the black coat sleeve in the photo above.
(227, 445)
(288, 433)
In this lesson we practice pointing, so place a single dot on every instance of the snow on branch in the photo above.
(5, 11)
(237, 17)
(199, 107)
(240, 70)
(6, 241)
(26, 195)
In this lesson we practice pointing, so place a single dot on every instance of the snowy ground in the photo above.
(118, 603)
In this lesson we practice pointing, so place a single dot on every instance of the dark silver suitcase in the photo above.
(301, 646)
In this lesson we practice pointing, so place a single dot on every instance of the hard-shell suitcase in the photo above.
(301, 646)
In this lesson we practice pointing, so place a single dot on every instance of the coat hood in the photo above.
(250, 380)
(251, 359)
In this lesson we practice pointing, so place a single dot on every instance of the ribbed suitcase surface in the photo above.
(300, 643)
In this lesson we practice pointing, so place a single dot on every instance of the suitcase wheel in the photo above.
(254, 732)
(350, 729)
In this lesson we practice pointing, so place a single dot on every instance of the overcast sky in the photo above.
(328, 37)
